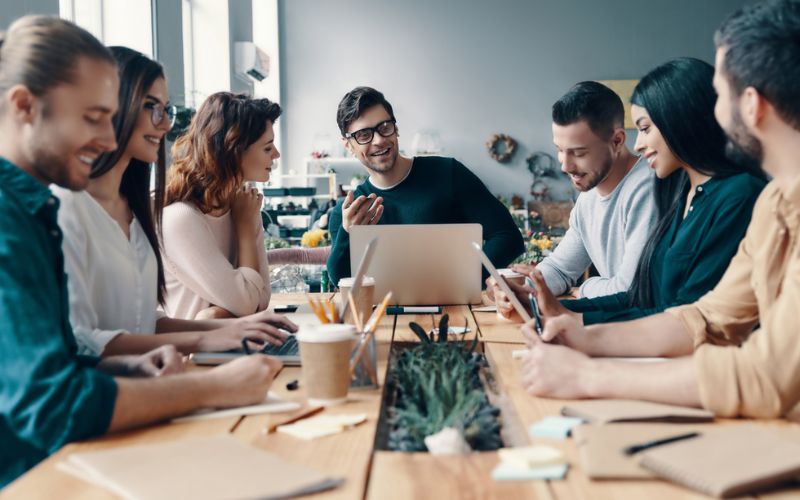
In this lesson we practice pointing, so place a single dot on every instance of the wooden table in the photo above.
(382, 475)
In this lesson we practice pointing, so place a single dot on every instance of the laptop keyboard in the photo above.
(289, 348)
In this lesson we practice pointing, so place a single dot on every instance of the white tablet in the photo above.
(523, 313)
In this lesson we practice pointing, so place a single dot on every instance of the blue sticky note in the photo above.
(554, 427)
(506, 472)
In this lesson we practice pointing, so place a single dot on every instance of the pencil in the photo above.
(294, 417)
(370, 329)
(354, 313)
(317, 308)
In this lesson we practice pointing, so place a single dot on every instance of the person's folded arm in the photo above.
(562, 268)
(190, 253)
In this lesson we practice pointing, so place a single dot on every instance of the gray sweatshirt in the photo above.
(609, 231)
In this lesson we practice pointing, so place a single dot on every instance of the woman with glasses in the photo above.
(111, 242)
(213, 243)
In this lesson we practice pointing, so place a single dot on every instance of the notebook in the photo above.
(272, 404)
(727, 461)
(202, 468)
(600, 447)
(603, 411)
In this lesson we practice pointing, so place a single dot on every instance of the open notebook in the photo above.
(201, 468)
(728, 461)
(603, 411)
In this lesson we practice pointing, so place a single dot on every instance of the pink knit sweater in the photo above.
(200, 265)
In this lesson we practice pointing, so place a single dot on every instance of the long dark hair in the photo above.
(679, 97)
(136, 74)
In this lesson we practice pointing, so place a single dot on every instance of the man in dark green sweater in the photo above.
(401, 190)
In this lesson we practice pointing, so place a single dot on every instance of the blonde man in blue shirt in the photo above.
(58, 93)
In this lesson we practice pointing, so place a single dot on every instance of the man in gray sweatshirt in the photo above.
(613, 215)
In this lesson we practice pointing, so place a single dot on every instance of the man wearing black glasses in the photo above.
(401, 190)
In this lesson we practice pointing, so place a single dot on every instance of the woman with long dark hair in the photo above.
(704, 200)
(111, 236)
(213, 246)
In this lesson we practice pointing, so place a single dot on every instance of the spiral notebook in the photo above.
(728, 461)
(604, 411)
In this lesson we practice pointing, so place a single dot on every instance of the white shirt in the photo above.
(112, 281)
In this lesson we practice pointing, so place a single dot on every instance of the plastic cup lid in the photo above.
(348, 282)
(326, 333)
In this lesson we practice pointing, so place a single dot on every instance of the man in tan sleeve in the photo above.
(737, 349)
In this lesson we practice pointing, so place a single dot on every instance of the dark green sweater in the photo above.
(436, 191)
(693, 254)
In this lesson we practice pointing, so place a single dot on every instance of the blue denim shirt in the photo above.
(49, 395)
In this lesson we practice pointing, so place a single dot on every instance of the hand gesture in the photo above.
(364, 210)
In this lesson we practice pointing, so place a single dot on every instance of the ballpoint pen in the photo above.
(630, 450)
(537, 316)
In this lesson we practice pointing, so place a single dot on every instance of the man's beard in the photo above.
(595, 178)
(742, 147)
(52, 167)
(383, 168)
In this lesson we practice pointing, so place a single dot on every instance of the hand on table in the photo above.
(163, 360)
(243, 381)
(256, 333)
(364, 210)
(555, 371)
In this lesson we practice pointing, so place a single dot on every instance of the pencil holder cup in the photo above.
(365, 375)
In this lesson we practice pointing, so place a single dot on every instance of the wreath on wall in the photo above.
(501, 147)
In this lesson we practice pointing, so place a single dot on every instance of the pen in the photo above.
(298, 415)
(630, 450)
(414, 309)
(537, 316)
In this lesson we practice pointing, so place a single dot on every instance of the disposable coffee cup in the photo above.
(510, 276)
(325, 358)
(364, 300)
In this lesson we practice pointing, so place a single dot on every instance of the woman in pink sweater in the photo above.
(213, 240)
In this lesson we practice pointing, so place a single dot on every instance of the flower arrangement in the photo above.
(315, 238)
(537, 246)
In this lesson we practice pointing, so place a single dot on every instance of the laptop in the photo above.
(422, 264)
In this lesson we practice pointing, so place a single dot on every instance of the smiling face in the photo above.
(584, 156)
(652, 145)
(146, 137)
(380, 154)
(72, 125)
(257, 159)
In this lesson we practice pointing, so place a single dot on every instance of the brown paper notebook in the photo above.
(600, 447)
(603, 411)
(727, 461)
(203, 468)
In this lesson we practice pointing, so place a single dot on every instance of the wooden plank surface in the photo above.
(45, 481)
(385, 474)
(421, 475)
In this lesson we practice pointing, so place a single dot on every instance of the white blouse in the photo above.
(200, 255)
(112, 281)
